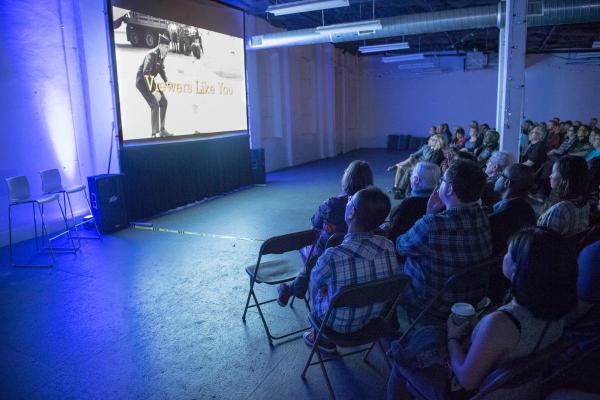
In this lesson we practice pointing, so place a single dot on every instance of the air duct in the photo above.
(541, 13)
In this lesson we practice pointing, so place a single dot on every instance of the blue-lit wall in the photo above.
(57, 98)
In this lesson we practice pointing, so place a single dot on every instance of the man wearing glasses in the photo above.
(447, 241)
(494, 166)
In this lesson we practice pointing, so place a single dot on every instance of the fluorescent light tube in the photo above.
(406, 57)
(596, 45)
(384, 47)
(417, 66)
(296, 7)
(357, 27)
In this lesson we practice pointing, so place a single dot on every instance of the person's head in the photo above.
(462, 183)
(593, 122)
(537, 134)
(367, 209)
(459, 132)
(569, 178)
(473, 134)
(425, 176)
(577, 124)
(483, 128)
(595, 140)
(474, 124)
(526, 126)
(432, 130)
(439, 128)
(582, 133)
(514, 181)
(357, 176)
(571, 133)
(437, 142)
(163, 45)
(543, 273)
(497, 162)
(445, 127)
(491, 138)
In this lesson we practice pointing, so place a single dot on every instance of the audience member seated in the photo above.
(535, 154)
(539, 269)
(553, 138)
(328, 219)
(443, 243)
(585, 325)
(483, 128)
(475, 140)
(432, 152)
(593, 123)
(513, 212)
(595, 142)
(526, 127)
(566, 146)
(451, 153)
(493, 168)
(423, 180)
(362, 257)
(458, 141)
(491, 143)
(571, 215)
(594, 191)
(444, 130)
(582, 146)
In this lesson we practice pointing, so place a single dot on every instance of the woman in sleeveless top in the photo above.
(543, 278)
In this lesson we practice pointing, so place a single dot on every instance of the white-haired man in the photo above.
(423, 180)
(494, 167)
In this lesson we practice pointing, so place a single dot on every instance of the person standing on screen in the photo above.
(145, 82)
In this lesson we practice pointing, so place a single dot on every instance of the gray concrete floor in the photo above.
(157, 315)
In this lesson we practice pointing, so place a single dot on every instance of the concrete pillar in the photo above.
(511, 75)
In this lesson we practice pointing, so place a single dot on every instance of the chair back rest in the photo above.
(18, 189)
(385, 290)
(290, 242)
(516, 374)
(335, 240)
(51, 181)
(472, 283)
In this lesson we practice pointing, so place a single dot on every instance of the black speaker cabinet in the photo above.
(108, 203)
(257, 159)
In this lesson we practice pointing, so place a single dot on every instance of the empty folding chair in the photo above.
(19, 194)
(276, 271)
(52, 183)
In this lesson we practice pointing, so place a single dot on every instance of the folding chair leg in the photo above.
(262, 317)
(248, 299)
(322, 364)
(369, 352)
(307, 304)
(312, 353)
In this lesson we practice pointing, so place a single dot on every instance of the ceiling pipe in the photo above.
(540, 13)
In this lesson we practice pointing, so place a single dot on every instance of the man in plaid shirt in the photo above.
(362, 257)
(443, 243)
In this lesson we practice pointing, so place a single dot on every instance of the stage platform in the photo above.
(156, 313)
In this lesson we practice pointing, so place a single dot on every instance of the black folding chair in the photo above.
(277, 271)
(388, 290)
(467, 279)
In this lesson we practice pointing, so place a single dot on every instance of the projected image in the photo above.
(177, 80)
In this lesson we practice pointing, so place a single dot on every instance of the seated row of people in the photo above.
(439, 230)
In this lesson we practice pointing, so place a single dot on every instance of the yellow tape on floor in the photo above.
(184, 232)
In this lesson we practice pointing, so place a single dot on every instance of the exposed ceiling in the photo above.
(545, 39)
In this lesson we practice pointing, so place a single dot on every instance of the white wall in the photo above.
(57, 103)
(303, 102)
(395, 102)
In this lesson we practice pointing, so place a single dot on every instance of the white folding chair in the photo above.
(19, 194)
(52, 183)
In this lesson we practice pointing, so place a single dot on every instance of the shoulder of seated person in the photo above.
(501, 326)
